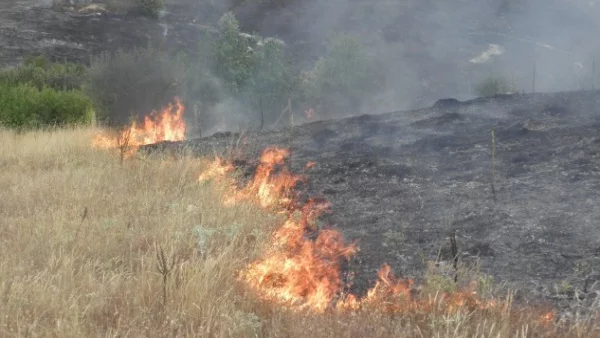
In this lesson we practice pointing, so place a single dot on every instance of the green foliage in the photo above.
(40, 72)
(493, 86)
(24, 105)
(137, 81)
(233, 57)
(249, 69)
(342, 80)
(151, 8)
(273, 80)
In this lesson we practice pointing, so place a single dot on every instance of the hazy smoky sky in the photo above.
(433, 49)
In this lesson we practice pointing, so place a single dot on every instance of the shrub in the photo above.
(341, 81)
(151, 8)
(24, 105)
(40, 72)
(137, 81)
(493, 86)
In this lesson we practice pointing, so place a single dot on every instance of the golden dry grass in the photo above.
(79, 236)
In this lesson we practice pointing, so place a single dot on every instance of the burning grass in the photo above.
(166, 125)
(80, 235)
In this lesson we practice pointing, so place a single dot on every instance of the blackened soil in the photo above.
(401, 182)
(28, 28)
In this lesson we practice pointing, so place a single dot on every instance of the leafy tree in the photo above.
(233, 56)
(341, 81)
(273, 80)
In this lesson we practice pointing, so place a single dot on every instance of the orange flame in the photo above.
(218, 168)
(301, 267)
(298, 271)
(271, 185)
(547, 318)
(168, 125)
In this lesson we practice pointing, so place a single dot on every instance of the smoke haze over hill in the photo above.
(428, 47)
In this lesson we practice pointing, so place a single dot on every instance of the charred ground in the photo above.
(402, 182)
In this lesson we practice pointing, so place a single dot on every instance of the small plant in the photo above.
(151, 8)
(123, 143)
(164, 267)
(564, 287)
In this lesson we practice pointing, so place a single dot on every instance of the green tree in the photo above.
(233, 56)
(341, 81)
(273, 80)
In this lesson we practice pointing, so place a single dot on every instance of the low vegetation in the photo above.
(91, 247)
(40, 72)
(25, 106)
(41, 93)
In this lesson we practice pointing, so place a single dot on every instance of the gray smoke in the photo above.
(433, 49)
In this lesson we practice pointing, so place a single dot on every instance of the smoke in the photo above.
(428, 46)
(431, 49)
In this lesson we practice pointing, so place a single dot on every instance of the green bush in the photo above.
(493, 86)
(341, 81)
(151, 8)
(24, 105)
(134, 82)
(40, 72)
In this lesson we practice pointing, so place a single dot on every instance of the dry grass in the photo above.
(79, 235)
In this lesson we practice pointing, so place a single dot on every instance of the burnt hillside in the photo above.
(402, 182)
(430, 49)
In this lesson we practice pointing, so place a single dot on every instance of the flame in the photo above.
(168, 125)
(309, 113)
(272, 184)
(547, 318)
(217, 169)
(298, 271)
(301, 267)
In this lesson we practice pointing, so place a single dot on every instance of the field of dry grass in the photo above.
(93, 248)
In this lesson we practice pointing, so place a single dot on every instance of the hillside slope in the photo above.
(402, 182)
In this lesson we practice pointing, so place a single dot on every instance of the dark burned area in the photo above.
(400, 183)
